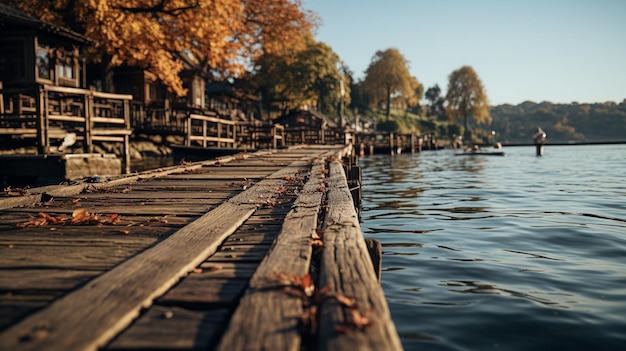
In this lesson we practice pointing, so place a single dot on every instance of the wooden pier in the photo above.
(258, 251)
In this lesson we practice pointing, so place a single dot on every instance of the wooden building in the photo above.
(44, 101)
(34, 52)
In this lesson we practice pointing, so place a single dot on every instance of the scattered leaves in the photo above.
(79, 217)
(358, 321)
(184, 162)
(345, 300)
(215, 268)
(159, 219)
(303, 284)
(16, 192)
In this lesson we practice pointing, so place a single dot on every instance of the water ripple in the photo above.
(537, 242)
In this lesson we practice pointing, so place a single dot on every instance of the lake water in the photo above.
(506, 253)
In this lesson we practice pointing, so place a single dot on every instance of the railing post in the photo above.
(43, 146)
(89, 111)
(219, 134)
(1, 98)
(204, 132)
(274, 139)
(188, 134)
(127, 137)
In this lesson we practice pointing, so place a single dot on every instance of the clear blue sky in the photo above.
(537, 50)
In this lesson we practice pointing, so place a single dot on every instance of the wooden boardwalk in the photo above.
(250, 252)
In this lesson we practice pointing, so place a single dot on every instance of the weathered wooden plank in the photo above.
(173, 328)
(80, 238)
(268, 317)
(43, 279)
(82, 257)
(14, 305)
(151, 195)
(107, 304)
(75, 189)
(237, 270)
(107, 208)
(195, 292)
(244, 256)
(346, 269)
(254, 238)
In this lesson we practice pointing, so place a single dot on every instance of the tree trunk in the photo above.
(388, 103)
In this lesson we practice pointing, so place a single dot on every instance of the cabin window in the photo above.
(66, 71)
(43, 62)
(198, 93)
(12, 60)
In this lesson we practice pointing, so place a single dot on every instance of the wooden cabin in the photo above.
(43, 97)
(34, 52)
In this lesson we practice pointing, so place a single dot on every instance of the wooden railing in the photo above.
(48, 114)
(266, 135)
(386, 142)
(209, 131)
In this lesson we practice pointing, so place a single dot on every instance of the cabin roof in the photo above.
(312, 114)
(14, 17)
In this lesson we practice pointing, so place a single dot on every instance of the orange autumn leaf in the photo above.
(33, 222)
(345, 300)
(316, 243)
(215, 268)
(305, 283)
(359, 320)
(80, 215)
(53, 220)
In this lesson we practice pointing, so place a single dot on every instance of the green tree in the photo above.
(435, 102)
(387, 80)
(314, 76)
(466, 98)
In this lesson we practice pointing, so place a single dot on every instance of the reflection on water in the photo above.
(517, 252)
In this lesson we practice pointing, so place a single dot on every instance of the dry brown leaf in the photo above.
(215, 268)
(304, 284)
(160, 219)
(316, 243)
(80, 215)
(359, 320)
(345, 300)
(15, 192)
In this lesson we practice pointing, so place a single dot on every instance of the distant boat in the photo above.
(480, 152)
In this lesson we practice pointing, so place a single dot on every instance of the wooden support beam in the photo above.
(347, 270)
(268, 316)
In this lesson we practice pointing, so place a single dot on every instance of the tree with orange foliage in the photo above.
(226, 36)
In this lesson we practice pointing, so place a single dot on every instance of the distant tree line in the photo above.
(562, 122)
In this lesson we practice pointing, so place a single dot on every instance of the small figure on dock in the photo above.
(539, 138)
